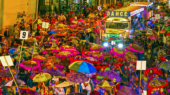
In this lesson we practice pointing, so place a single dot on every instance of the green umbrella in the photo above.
(107, 69)
(165, 65)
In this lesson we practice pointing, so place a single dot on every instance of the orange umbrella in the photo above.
(162, 31)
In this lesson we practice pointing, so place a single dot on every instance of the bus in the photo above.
(122, 22)
(148, 8)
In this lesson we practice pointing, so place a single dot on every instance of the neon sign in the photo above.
(136, 12)
(118, 13)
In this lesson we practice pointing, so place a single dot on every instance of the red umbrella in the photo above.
(162, 31)
(118, 4)
(168, 34)
(88, 9)
(71, 13)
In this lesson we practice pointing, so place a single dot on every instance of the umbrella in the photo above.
(89, 30)
(7, 73)
(155, 83)
(29, 92)
(39, 58)
(104, 83)
(52, 71)
(74, 41)
(30, 65)
(136, 48)
(65, 84)
(162, 31)
(73, 37)
(66, 47)
(11, 82)
(64, 54)
(165, 65)
(111, 75)
(12, 50)
(82, 66)
(129, 56)
(73, 51)
(153, 38)
(117, 51)
(41, 77)
(96, 47)
(126, 91)
(2, 44)
(77, 77)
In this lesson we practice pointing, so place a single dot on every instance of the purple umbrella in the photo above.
(77, 77)
(126, 91)
(111, 75)
(52, 71)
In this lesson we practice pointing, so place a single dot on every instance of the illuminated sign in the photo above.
(118, 13)
(136, 12)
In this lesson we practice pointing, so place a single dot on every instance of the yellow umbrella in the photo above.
(42, 77)
(65, 84)
(104, 83)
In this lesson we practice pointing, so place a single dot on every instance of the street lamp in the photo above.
(120, 45)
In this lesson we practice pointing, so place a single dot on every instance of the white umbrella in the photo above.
(11, 82)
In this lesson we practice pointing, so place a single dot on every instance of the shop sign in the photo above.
(118, 13)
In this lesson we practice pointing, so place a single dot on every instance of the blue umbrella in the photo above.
(51, 32)
(83, 67)
(12, 50)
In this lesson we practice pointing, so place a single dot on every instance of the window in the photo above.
(114, 25)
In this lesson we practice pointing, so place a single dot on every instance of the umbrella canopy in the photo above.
(12, 50)
(136, 48)
(111, 75)
(64, 54)
(117, 51)
(73, 51)
(39, 58)
(77, 77)
(153, 38)
(155, 83)
(126, 91)
(66, 47)
(165, 65)
(82, 66)
(29, 92)
(30, 63)
(105, 83)
(65, 84)
(41, 77)
(11, 82)
(96, 47)
(52, 71)
(129, 56)
(7, 73)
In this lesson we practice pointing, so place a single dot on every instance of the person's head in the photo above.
(107, 92)
(7, 29)
(156, 75)
(85, 91)
(165, 74)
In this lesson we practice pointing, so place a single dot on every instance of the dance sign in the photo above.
(24, 35)
(118, 13)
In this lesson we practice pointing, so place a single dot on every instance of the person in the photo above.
(107, 92)
(6, 33)
(138, 89)
(94, 93)
(62, 18)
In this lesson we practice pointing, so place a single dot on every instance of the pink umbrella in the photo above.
(30, 68)
(153, 38)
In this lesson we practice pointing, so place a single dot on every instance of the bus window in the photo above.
(114, 25)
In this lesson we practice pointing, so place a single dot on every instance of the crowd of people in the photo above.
(68, 58)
